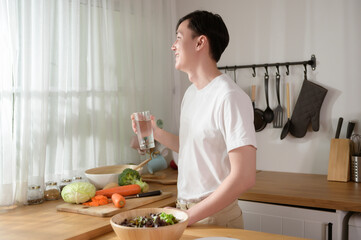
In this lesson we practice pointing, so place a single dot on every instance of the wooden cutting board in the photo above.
(109, 209)
(167, 177)
(160, 181)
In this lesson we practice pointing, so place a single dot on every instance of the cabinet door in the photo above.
(293, 227)
(290, 221)
(315, 230)
(271, 224)
(253, 221)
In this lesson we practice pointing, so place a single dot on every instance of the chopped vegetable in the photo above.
(78, 192)
(118, 200)
(98, 200)
(131, 176)
(122, 190)
(91, 204)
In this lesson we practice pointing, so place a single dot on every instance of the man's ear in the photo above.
(202, 40)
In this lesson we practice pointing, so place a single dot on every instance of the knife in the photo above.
(350, 128)
(147, 194)
(339, 125)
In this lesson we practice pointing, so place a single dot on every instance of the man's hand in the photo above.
(134, 125)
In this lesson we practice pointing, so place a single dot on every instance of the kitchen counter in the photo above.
(306, 190)
(43, 221)
(310, 190)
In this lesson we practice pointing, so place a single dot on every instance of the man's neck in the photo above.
(203, 75)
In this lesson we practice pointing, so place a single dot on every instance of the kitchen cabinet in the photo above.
(291, 221)
(304, 195)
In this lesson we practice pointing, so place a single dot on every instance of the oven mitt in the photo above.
(307, 109)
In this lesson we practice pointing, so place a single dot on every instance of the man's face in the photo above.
(184, 47)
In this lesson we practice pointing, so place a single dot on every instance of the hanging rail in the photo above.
(311, 62)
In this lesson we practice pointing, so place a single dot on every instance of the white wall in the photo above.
(268, 31)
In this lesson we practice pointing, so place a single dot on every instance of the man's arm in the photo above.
(241, 178)
(165, 138)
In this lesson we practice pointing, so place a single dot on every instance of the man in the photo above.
(216, 143)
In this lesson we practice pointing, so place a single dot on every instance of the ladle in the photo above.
(145, 161)
(268, 113)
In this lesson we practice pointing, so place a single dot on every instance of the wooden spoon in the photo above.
(143, 163)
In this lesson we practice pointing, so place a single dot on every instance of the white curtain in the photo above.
(72, 72)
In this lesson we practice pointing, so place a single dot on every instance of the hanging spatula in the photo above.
(278, 120)
(286, 128)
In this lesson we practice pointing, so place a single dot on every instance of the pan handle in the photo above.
(253, 93)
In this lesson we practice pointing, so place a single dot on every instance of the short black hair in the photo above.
(212, 26)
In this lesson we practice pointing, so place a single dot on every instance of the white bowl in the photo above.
(101, 176)
(173, 232)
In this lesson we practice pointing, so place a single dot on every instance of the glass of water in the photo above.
(144, 130)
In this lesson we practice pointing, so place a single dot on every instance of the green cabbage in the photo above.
(78, 192)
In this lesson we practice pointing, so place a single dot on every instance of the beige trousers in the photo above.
(230, 216)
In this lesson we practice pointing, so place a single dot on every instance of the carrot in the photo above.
(101, 199)
(91, 204)
(97, 201)
(118, 200)
(122, 190)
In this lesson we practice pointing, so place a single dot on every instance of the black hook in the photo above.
(254, 71)
(305, 72)
(278, 69)
(266, 76)
(287, 69)
(266, 67)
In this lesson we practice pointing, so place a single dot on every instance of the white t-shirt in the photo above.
(214, 120)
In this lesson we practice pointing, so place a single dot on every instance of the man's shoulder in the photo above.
(227, 86)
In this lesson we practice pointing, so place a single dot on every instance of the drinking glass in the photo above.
(144, 130)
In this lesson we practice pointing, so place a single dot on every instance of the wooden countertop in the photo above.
(43, 221)
(309, 190)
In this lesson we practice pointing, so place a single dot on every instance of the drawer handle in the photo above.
(329, 231)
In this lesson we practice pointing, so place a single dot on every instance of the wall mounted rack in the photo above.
(311, 62)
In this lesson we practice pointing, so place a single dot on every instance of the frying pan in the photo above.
(259, 122)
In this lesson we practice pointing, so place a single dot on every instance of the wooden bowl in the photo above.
(101, 176)
(160, 233)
